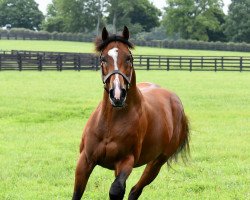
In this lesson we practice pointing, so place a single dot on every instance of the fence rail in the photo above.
(37, 60)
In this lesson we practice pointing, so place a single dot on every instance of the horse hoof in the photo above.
(116, 191)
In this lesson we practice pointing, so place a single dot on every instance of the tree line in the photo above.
(201, 20)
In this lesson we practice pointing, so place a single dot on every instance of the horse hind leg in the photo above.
(149, 174)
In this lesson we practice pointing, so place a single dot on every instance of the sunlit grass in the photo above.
(42, 115)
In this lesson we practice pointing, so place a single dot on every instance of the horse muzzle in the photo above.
(117, 96)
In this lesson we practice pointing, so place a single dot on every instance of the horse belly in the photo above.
(151, 149)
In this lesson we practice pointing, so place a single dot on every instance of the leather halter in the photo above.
(105, 78)
(127, 78)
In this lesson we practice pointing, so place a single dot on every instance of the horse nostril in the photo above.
(111, 93)
(124, 93)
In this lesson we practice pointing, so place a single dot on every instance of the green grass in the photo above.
(42, 115)
(62, 46)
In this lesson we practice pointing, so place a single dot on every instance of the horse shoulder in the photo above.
(90, 137)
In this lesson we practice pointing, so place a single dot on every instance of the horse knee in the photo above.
(117, 191)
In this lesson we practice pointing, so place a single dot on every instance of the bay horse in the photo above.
(134, 124)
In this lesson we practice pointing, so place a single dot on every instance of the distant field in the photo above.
(82, 47)
(42, 115)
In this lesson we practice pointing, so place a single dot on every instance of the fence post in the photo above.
(40, 62)
(148, 67)
(59, 63)
(168, 68)
(140, 60)
(19, 62)
(75, 62)
(180, 62)
(79, 63)
(202, 61)
(215, 64)
(222, 63)
(0, 62)
(159, 61)
(96, 63)
(241, 66)
(190, 64)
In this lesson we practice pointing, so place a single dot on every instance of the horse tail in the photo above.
(183, 134)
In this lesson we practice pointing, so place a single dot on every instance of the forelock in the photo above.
(100, 44)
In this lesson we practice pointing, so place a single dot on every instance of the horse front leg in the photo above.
(83, 171)
(149, 174)
(122, 170)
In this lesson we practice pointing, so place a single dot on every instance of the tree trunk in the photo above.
(98, 25)
(114, 23)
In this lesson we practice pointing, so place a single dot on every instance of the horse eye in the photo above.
(103, 59)
(128, 59)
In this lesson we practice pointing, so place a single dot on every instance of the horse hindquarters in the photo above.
(179, 142)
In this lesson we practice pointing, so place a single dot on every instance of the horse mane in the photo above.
(101, 44)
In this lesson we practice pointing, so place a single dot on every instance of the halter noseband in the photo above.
(105, 78)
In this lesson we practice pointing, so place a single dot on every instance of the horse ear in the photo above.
(105, 34)
(125, 33)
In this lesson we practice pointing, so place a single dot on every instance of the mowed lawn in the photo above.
(42, 115)
(87, 47)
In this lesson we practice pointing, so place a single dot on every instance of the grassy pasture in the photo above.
(89, 48)
(42, 115)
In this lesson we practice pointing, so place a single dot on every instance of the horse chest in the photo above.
(112, 145)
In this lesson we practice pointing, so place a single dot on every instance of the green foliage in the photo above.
(20, 33)
(138, 15)
(42, 115)
(192, 19)
(118, 13)
(158, 33)
(88, 15)
(73, 16)
(237, 26)
(20, 14)
(145, 14)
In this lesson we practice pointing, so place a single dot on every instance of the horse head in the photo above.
(116, 63)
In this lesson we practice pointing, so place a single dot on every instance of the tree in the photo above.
(137, 14)
(54, 22)
(20, 14)
(218, 34)
(193, 19)
(74, 15)
(145, 14)
(118, 13)
(237, 26)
